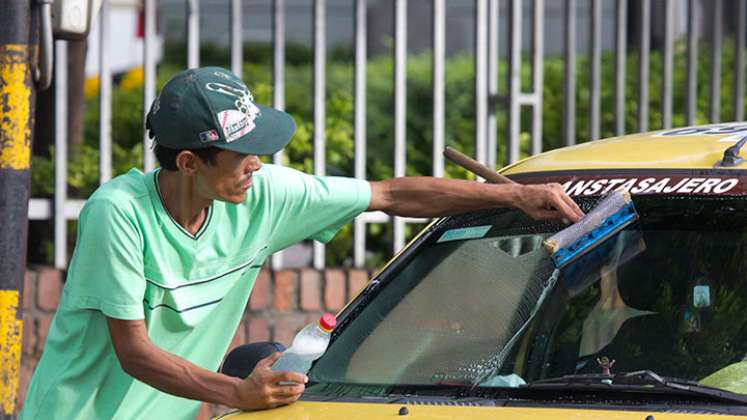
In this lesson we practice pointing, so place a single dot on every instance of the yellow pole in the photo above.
(17, 96)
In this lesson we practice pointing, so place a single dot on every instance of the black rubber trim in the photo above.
(163, 305)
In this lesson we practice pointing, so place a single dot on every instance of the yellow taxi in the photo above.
(468, 323)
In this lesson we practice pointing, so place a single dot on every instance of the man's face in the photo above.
(228, 178)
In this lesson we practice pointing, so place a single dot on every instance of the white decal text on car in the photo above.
(650, 185)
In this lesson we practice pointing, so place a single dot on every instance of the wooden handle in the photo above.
(475, 167)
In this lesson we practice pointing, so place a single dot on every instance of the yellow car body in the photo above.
(698, 147)
(303, 410)
(683, 162)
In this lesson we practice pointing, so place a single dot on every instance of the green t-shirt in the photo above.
(133, 261)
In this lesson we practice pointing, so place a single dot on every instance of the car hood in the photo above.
(697, 147)
(305, 410)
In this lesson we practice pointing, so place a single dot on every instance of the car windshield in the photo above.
(475, 304)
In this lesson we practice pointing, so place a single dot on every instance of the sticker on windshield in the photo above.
(464, 233)
(701, 296)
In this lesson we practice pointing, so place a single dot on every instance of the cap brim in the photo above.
(273, 130)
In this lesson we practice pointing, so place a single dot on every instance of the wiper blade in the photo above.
(639, 380)
(383, 390)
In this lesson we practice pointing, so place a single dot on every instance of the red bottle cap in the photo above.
(327, 322)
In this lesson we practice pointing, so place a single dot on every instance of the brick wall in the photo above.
(281, 303)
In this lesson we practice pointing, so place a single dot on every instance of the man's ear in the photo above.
(186, 162)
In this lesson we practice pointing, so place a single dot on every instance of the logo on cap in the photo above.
(240, 121)
(234, 124)
(209, 136)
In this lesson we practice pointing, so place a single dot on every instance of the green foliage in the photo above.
(83, 169)
(127, 130)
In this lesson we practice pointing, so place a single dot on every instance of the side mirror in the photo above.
(72, 19)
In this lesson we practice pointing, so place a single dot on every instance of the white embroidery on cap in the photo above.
(245, 107)
(222, 75)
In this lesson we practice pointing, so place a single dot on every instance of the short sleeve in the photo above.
(106, 272)
(313, 207)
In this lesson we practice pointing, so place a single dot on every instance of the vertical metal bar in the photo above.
(643, 64)
(569, 64)
(714, 97)
(538, 40)
(60, 156)
(278, 55)
(193, 33)
(278, 84)
(595, 73)
(492, 135)
(569, 87)
(320, 114)
(739, 62)
(400, 107)
(692, 62)
(359, 228)
(278, 62)
(481, 79)
(105, 96)
(667, 65)
(439, 90)
(621, 20)
(237, 44)
(514, 81)
(149, 77)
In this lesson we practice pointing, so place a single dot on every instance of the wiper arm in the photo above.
(642, 379)
(731, 155)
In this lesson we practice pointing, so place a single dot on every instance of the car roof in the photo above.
(695, 147)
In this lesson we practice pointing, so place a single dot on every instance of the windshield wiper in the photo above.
(639, 380)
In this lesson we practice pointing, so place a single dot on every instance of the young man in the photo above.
(165, 261)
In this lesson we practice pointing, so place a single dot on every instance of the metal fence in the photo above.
(487, 102)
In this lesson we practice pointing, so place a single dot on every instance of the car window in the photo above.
(667, 294)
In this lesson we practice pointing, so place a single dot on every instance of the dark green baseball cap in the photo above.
(212, 107)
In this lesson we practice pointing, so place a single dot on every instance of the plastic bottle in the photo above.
(308, 345)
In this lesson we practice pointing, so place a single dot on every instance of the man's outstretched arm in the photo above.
(146, 362)
(435, 197)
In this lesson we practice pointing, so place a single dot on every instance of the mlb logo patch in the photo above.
(208, 136)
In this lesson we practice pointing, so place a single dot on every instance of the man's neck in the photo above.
(181, 200)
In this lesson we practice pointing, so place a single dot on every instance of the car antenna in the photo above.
(731, 155)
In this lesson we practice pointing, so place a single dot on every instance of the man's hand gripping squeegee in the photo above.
(611, 215)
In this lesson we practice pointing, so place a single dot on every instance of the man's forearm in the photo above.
(143, 360)
(174, 375)
(434, 197)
